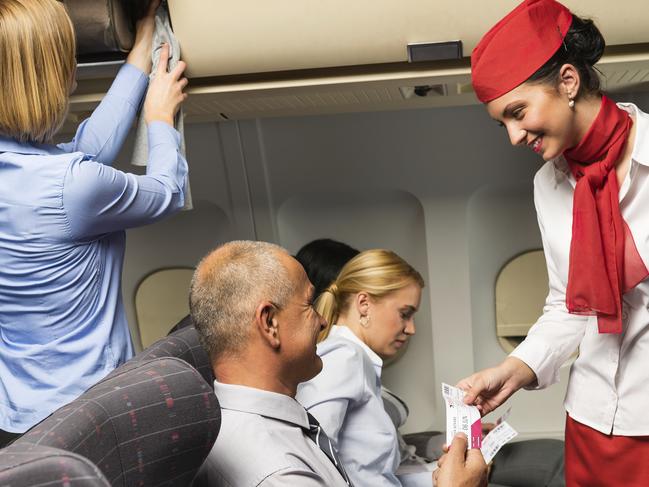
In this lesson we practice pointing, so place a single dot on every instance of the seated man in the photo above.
(251, 304)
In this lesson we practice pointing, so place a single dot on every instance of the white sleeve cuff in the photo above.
(541, 359)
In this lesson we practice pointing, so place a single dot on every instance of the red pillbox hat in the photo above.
(517, 46)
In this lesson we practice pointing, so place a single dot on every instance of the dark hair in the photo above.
(323, 259)
(582, 47)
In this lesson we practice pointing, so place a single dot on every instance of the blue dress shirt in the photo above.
(63, 212)
(346, 400)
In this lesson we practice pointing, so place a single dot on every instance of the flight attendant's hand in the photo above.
(460, 467)
(491, 387)
(165, 93)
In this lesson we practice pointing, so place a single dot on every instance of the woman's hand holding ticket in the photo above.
(491, 387)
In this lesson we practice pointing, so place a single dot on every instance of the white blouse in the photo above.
(346, 399)
(609, 381)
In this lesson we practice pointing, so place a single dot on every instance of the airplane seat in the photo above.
(23, 465)
(182, 343)
(149, 422)
(185, 322)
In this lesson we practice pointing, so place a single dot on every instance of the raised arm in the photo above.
(99, 199)
(103, 133)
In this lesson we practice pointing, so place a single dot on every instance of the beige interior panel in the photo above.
(219, 37)
(161, 300)
(521, 289)
(347, 90)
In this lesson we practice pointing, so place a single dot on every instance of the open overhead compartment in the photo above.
(249, 59)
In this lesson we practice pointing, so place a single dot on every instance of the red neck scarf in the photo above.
(604, 262)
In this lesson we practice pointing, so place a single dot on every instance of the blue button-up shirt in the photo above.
(63, 212)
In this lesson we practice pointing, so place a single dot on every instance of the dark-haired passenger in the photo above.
(322, 260)
(535, 73)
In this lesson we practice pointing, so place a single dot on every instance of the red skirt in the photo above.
(594, 459)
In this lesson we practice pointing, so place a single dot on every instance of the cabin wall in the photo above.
(442, 187)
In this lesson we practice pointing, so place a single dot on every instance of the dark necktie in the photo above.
(320, 438)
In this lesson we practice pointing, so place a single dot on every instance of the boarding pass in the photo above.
(495, 440)
(460, 417)
(463, 418)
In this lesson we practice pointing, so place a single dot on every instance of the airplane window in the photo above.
(161, 300)
(521, 289)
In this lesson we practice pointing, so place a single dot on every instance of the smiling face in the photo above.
(299, 326)
(537, 116)
(392, 320)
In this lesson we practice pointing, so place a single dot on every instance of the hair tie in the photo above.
(333, 288)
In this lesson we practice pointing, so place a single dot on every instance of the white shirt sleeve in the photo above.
(557, 333)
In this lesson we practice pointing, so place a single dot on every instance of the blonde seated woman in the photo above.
(370, 311)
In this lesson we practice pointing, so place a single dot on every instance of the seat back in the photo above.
(149, 422)
(183, 344)
(25, 465)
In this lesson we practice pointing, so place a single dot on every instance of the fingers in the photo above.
(474, 459)
(163, 62)
(178, 70)
(468, 386)
(487, 427)
(458, 449)
(474, 386)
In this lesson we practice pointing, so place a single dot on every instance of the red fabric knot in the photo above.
(604, 262)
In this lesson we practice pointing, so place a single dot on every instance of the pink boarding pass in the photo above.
(461, 418)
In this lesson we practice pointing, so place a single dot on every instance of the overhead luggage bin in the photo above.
(220, 37)
(254, 59)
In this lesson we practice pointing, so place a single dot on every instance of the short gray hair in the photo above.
(228, 285)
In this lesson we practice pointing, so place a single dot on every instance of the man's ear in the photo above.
(266, 322)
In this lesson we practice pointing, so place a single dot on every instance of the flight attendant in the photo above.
(64, 209)
(534, 73)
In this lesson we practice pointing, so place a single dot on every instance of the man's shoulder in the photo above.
(251, 448)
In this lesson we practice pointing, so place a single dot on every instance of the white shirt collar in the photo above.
(345, 332)
(640, 152)
(264, 403)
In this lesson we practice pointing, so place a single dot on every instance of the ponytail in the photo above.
(377, 272)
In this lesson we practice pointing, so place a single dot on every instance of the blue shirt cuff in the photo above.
(162, 133)
(130, 84)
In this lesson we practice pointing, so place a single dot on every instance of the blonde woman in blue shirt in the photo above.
(370, 310)
(64, 209)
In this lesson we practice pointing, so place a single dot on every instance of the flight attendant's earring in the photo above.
(571, 102)
(364, 321)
